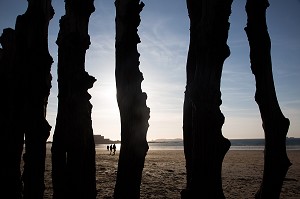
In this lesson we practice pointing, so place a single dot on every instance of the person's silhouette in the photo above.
(114, 148)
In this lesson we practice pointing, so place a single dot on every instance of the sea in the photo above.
(236, 144)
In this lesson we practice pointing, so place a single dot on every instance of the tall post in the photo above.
(73, 148)
(275, 125)
(32, 70)
(195, 16)
(12, 140)
(210, 19)
(134, 112)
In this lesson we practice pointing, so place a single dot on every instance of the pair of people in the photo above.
(112, 149)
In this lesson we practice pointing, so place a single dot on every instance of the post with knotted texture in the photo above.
(195, 16)
(11, 135)
(134, 112)
(275, 125)
(73, 148)
(207, 146)
(30, 88)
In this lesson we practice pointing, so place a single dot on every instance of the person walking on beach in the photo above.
(114, 148)
(110, 149)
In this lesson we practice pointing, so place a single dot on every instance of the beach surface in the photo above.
(164, 174)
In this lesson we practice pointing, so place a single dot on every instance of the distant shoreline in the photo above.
(236, 142)
(291, 143)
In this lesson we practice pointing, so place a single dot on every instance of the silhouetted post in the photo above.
(134, 112)
(195, 16)
(73, 148)
(11, 135)
(32, 71)
(275, 125)
(210, 19)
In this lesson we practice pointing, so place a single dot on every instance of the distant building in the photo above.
(99, 139)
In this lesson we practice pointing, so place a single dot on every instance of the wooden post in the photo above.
(32, 71)
(134, 112)
(73, 148)
(208, 144)
(275, 125)
(11, 136)
(195, 16)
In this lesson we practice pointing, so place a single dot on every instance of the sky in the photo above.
(164, 33)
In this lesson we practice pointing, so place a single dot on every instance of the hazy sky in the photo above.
(164, 33)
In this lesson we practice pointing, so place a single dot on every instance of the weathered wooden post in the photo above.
(12, 138)
(32, 73)
(134, 112)
(275, 125)
(73, 148)
(209, 32)
(195, 16)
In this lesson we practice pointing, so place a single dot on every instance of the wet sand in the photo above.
(164, 174)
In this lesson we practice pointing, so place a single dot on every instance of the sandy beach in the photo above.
(164, 174)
